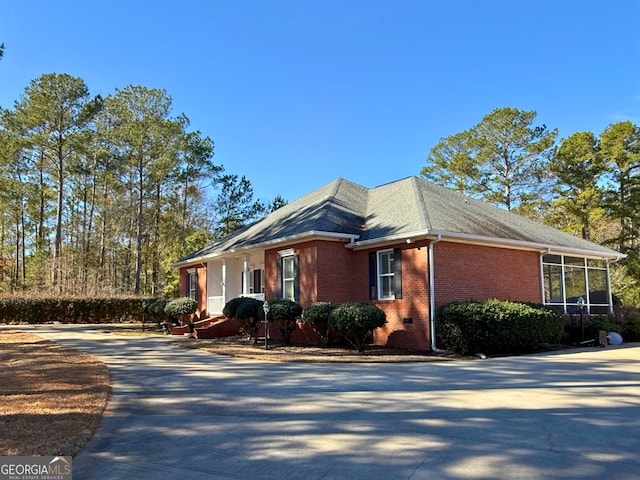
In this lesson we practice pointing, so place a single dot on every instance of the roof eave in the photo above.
(484, 240)
(297, 238)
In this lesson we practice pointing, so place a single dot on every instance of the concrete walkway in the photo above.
(183, 414)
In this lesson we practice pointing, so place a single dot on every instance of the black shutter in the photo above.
(197, 299)
(373, 274)
(296, 278)
(187, 280)
(279, 277)
(397, 270)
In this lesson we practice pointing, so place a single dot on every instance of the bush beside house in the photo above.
(284, 314)
(355, 321)
(627, 322)
(317, 317)
(182, 309)
(496, 327)
(248, 313)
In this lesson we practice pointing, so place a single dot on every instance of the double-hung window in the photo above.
(192, 284)
(385, 274)
(288, 278)
(288, 281)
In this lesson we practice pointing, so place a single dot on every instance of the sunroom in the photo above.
(571, 283)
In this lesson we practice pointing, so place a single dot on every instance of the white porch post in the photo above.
(223, 283)
(245, 275)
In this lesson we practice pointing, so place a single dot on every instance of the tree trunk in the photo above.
(139, 230)
(57, 285)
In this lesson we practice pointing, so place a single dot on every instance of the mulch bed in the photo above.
(239, 347)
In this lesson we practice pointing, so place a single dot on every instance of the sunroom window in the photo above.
(567, 279)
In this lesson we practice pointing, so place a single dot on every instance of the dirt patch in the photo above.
(241, 348)
(51, 398)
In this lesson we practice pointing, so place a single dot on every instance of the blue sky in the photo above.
(296, 93)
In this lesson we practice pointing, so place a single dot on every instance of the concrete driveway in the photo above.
(183, 414)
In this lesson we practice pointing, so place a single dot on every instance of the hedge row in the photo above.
(81, 310)
(496, 327)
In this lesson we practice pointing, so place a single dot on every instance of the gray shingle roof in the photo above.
(411, 207)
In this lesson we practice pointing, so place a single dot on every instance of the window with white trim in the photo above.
(256, 281)
(192, 284)
(288, 277)
(386, 275)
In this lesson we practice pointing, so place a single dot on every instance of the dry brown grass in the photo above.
(51, 398)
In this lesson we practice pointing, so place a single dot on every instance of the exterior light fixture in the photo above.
(581, 309)
(265, 307)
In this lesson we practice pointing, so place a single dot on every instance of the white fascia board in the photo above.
(483, 240)
(306, 236)
(390, 239)
(526, 245)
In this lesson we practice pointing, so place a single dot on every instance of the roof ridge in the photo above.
(423, 211)
(331, 197)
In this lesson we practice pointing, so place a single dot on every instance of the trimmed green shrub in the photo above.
(284, 314)
(248, 314)
(628, 322)
(154, 308)
(496, 327)
(594, 325)
(317, 316)
(356, 322)
(181, 308)
(631, 330)
(231, 306)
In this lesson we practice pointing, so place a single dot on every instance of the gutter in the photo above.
(310, 235)
(432, 296)
(527, 245)
(487, 241)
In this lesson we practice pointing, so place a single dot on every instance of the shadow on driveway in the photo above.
(181, 413)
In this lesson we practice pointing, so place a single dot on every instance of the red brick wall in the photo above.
(343, 275)
(331, 272)
(465, 272)
(202, 286)
(413, 306)
(307, 266)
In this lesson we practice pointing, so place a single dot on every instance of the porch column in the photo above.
(245, 275)
(223, 283)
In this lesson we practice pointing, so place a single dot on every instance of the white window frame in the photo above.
(569, 304)
(382, 275)
(252, 282)
(288, 280)
(192, 282)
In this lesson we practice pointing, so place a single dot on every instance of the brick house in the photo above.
(406, 246)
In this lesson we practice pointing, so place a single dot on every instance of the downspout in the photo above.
(432, 296)
(609, 294)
